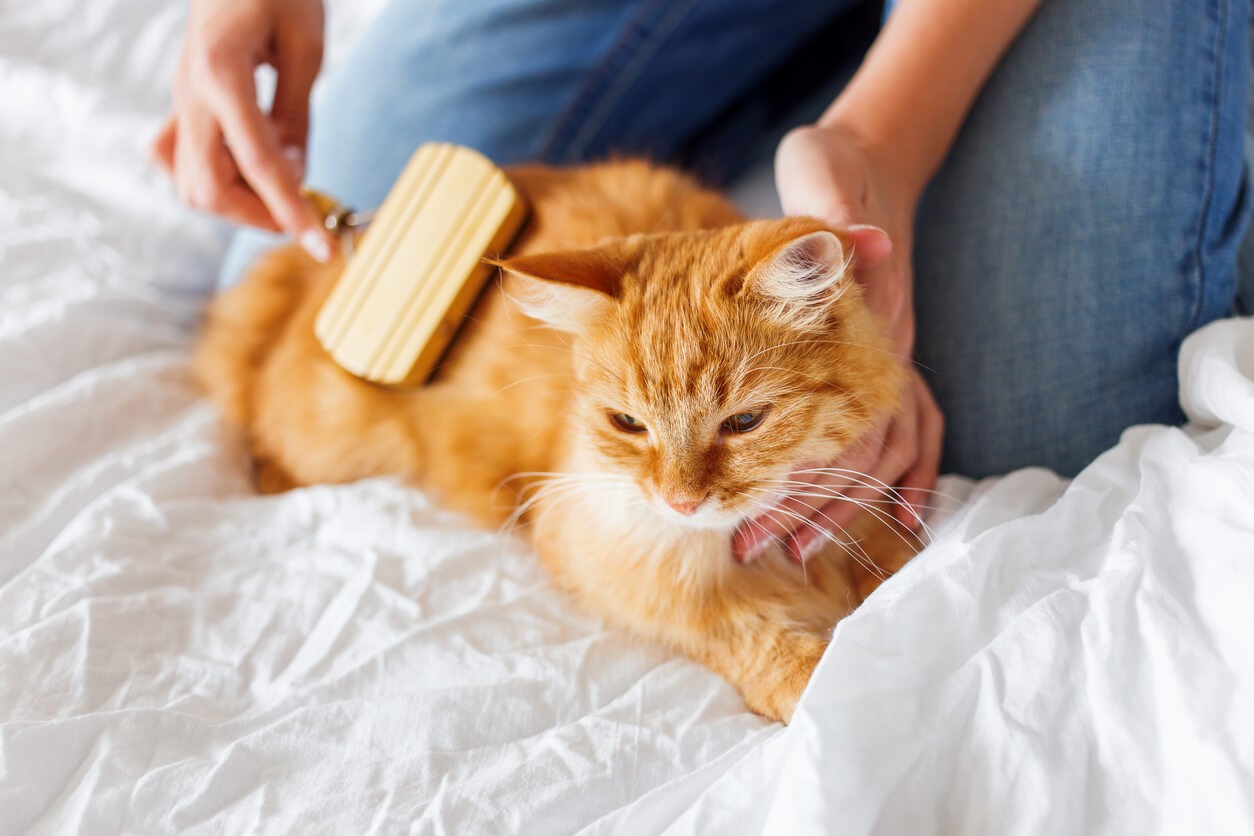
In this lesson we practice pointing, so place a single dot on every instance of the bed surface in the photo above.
(179, 654)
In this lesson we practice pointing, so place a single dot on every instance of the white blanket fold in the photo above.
(179, 654)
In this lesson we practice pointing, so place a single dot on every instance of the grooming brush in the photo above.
(416, 273)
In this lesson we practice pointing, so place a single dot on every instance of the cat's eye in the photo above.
(628, 423)
(743, 422)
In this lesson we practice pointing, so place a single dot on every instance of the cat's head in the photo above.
(708, 364)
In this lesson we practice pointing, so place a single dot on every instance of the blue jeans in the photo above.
(1085, 222)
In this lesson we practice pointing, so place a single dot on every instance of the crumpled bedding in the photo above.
(179, 654)
(1064, 658)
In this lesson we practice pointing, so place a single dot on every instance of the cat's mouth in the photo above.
(704, 519)
(710, 514)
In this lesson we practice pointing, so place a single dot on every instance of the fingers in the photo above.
(835, 176)
(921, 477)
(825, 501)
(832, 519)
(901, 451)
(206, 176)
(298, 58)
(162, 149)
(224, 154)
(254, 146)
(754, 536)
(863, 489)
(889, 479)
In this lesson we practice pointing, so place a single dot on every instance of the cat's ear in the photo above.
(802, 275)
(567, 290)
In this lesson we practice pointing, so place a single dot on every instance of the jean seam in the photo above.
(606, 86)
(1209, 163)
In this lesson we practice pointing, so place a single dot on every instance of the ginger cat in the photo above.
(649, 369)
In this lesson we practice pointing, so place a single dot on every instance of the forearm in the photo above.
(914, 89)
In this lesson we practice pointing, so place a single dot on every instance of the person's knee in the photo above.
(995, 425)
(1083, 225)
(1103, 124)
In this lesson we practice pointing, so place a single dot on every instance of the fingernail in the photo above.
(296, 156)
(315, 245)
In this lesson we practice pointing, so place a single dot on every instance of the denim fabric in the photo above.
(1086, 220)
(1245, 256)
(561, 81)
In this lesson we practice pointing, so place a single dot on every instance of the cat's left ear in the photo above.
(568, 290)
(803, 275)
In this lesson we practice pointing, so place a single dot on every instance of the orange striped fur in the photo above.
(650, 296)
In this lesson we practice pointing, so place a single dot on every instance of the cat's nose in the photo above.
(686, 505)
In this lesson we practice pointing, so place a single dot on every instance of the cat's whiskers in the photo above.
(879, 513)
(778, 496)
(550, 484)
(753, 521)
(849, 542)
(547, 493)
(859, 479)
(836, 492)
(591, 480)
(885, 486)
(525, 504)
(797, 490)
(521, 381)
(542, 476)
(879, 485)
(851, 545)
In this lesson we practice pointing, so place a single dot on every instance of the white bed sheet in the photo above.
(177, 654)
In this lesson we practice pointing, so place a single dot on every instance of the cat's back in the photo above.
(571, 208)
(578, 207)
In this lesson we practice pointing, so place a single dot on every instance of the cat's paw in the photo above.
(777, 691)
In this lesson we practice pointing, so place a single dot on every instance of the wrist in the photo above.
(889, 295)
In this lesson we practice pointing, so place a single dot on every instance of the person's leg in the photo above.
(1245, 256)
(524, 80)
(1085, 222)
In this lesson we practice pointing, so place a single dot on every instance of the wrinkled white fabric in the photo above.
(178, 654)
(1064, 658)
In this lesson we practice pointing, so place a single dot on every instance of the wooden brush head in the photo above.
(419, 268)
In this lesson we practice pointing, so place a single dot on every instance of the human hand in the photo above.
(828, 172)
(224, 154)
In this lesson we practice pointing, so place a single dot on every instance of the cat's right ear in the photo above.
(568, 290)
(802, 275)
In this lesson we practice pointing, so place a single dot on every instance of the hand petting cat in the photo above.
(867, 162)
(224, 154)
(828, 172)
